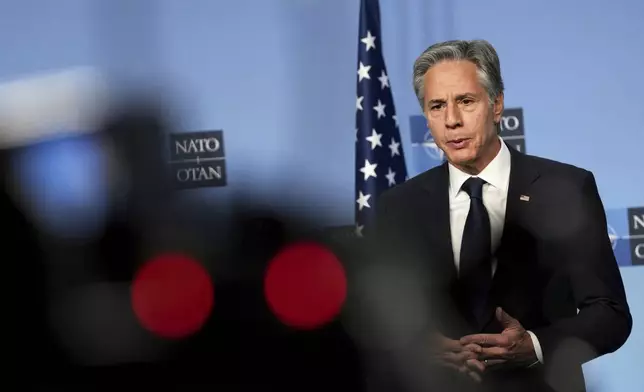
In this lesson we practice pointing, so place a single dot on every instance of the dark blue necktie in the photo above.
(475, 269)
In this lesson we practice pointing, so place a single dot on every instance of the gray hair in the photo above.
(479, 52)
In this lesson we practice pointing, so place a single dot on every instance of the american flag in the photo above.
(380, 162)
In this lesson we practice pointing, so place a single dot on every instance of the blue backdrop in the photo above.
(278, 76)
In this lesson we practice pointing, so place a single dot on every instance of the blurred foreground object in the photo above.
(131, 281)
(51, 104)
(57, 168)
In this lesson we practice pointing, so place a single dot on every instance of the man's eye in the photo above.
(435, 106)
(467, 101)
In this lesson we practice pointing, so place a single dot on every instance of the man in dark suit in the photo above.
(514, 250)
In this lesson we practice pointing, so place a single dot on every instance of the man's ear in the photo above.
(497, 108)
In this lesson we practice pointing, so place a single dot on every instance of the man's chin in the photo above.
(461, 158)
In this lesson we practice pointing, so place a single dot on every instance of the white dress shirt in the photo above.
(495, 194)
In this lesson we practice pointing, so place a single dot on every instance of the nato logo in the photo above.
(626, 234)
(197, 159)
(426, 154)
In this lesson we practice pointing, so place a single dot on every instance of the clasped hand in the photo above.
(474, 354)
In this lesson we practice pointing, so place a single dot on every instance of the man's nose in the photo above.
(453, 117)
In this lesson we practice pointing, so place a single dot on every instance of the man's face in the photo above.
(459, 114)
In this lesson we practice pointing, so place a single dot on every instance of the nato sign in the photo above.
(426, 154)
(626, 233)
(197, 159)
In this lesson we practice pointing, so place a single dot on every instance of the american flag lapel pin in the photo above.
(524, 198)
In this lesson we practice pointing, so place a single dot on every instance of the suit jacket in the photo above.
(555, 257)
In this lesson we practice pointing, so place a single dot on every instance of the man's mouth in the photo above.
(458, 143)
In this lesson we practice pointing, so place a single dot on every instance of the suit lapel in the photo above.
(522, 176)
(436, 222)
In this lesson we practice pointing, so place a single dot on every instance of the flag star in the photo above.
(363, 72)
(395, 120)
(374, 139)
(369, 169)
(380, 108)
(363, 201)
(369, 41)
(391, 177)
(384, 80)
(359, 229)
(359, 103)
(394, 146)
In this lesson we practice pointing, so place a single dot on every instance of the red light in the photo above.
(305, 285)
(172, 296)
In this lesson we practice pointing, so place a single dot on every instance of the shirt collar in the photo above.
(496, 173)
